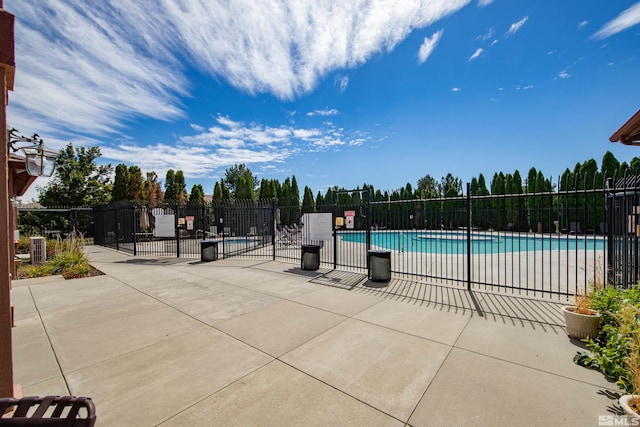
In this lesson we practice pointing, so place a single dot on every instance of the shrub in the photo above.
(66, 259)
(616, 345)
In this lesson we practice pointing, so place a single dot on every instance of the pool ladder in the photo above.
(401, 246)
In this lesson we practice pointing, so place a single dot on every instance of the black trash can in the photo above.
(310, 258)
(209, 250)
(379, 266)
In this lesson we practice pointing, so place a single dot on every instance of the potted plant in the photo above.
(580, 320)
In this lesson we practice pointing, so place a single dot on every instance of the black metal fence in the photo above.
(555, 242)
(55, 222)
(168, 229)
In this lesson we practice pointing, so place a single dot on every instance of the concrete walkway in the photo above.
(246, 342)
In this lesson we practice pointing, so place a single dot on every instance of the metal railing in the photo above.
(553, 243)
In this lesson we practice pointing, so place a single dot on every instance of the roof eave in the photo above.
(629, 133)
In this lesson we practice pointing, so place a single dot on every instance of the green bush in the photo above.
(611, 350)
(66, 258)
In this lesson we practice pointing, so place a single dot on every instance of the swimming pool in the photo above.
(455, 242)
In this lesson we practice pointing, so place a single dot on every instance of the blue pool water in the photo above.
(454, 242)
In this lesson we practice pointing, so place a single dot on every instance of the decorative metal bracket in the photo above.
(38, 160)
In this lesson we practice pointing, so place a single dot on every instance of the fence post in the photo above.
(335, 231)
(274, 213)
(468, 236)
(117, 229)
(135, 230)
(368, 222)
(177, 230)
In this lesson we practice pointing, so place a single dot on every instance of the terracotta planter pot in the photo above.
(581, 326)
(631, 414)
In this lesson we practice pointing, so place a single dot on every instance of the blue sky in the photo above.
(335, 93)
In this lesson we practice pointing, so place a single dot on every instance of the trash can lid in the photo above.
(379, 252)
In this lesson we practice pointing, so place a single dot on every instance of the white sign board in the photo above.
(317, 226)
(349, 221)
(165, 226)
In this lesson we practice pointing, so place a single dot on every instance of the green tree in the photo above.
(121, 183)
(170, 190)
(450, 186)
(232, 175)
(427, 187)
(308, 204)
(267, 189)
(197, 195)
(79, 180)
(217, 192)
(243, 189)
(181, 187)
(481, 213)
(609, 165)
(226, 193)
(136, 184)
(499, 214)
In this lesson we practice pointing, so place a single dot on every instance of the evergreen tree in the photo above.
(308, 205)
(244, 190)
(136, 184)
(609, 165)
(170, 190)
(295, 200)
(232, 175)
(197, 195)
(498, 219)
(121, 183)
(427, 187)
(481, 216)
(217, 192)
(180, 187)
(226, 193)
(520, 221)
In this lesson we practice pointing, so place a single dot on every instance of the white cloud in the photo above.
(483, 3)
(455, 89)
(428, 45)
(564, 74)
(208, 152)
(626, 19)
(325, 112)
(105, 64)
(476, 54)
(582, 24)
(197, 127)
(487, 35)
(342, 82)
(516, 26)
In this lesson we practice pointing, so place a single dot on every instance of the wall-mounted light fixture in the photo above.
(38, 160)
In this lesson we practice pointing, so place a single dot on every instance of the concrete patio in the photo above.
(249, 342)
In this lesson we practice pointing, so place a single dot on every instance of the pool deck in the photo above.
(166, 341)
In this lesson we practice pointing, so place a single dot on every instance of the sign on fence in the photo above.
(317, 225)
(165, 226)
